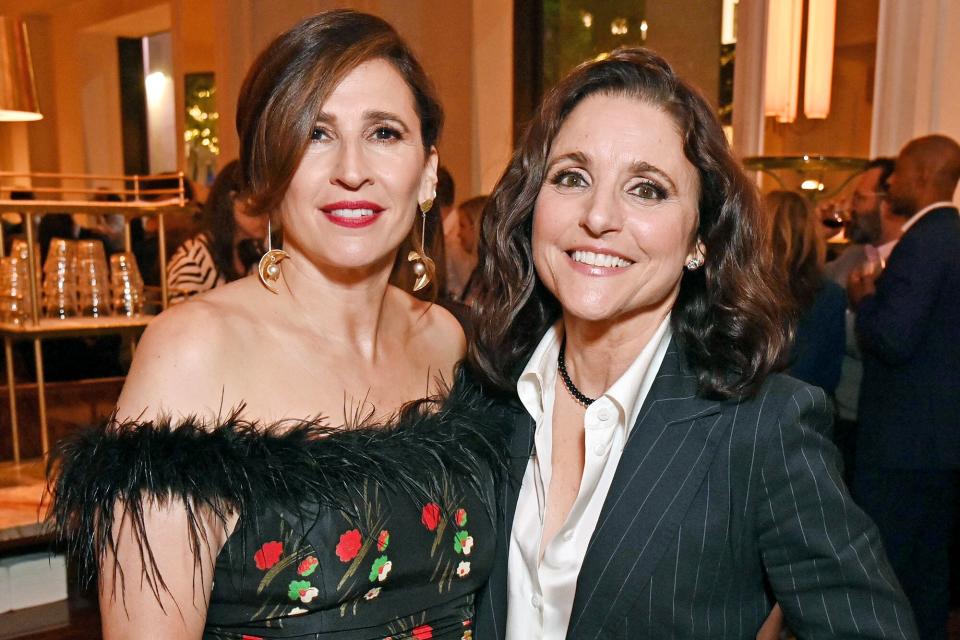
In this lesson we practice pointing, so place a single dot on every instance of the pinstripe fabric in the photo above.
(713, 500)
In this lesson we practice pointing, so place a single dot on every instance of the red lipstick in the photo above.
(352, 213)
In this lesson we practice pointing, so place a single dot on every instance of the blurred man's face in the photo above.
(903, 184)
(864, 224)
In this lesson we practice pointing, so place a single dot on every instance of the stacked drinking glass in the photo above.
(60, 280)
(14, 290)
(126, 285)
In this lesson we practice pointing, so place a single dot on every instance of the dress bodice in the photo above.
(352, 533)
(397, 567)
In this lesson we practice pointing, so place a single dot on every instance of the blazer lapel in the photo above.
(666, 458)
(492, 606)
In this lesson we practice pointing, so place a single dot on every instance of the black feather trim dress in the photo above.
(364, 532)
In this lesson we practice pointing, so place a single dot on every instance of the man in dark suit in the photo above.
(908, 327)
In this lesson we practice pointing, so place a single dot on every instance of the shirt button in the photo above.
(536, 601)
(600, 449)
(603, 415)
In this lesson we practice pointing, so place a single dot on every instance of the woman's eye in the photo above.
(318, 134)
(386, 133)
(648, 191)
(570, 179)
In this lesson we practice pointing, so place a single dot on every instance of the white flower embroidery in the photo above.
(373, 593)
(466, 545)
(463, 569)
(384, 571)
(309, 594)
(296, 611)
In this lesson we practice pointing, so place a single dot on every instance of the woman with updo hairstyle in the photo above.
(269, 471)
(666, 481)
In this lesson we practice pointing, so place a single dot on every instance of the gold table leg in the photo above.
(41, 397)
(12, 393)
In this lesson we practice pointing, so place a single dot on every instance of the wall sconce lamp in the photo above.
(18, 92)
(782, 70)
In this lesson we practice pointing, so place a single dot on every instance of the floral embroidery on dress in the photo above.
(302, 590)
(430, 516)
(383, 540)
(463, 569)
(462, 542)
(308, 566)
(349, 545)
(373, 593)
(423, 632)
(268, 554)
(380, 569)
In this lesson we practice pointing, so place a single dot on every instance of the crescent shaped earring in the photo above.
(423, 267)
(269, 267)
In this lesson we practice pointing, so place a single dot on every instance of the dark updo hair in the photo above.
(727, 317)
(289, 81)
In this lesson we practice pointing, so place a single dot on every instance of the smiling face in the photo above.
(615, 219)
(354, 195)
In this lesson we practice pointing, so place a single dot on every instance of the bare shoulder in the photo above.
(179, 362)
(433, 332)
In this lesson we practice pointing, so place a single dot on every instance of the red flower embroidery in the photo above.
(246, 637)
(430, 516)
(423, 632)
(349, 545)
(307, 566)
(268, 555)
(460, 517)
(383, 540)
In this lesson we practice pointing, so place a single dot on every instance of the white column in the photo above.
(917, 87)
(748, 78)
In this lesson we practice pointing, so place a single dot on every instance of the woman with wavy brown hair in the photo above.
(668, 483)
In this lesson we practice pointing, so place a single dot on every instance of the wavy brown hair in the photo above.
(797, 246)
(289, 81)
(727, 317)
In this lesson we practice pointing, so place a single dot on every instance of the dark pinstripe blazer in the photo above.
(715, 506)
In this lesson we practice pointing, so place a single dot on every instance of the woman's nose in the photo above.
(602, 214)
(350, 170)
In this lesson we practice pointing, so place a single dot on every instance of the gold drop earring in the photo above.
(269, 268)
(423, 267)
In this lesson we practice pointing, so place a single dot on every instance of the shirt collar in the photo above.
(627, 393)
(919, 214)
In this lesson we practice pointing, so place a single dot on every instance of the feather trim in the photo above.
(235, 466)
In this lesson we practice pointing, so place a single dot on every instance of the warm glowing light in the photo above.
(643, 29)
(587, 19)
(821, 26)
(619, 27)
(156, 83)
(782, 74)
(728, 25)
(811, 185)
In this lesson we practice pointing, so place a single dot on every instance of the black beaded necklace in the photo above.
(578, 396)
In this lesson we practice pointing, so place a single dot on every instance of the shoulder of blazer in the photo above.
(780, 399)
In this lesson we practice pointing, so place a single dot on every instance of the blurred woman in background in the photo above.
(799, 252)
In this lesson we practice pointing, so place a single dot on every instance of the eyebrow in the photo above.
(639, 166)
(369, 116)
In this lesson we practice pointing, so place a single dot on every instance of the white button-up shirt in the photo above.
(542, 582)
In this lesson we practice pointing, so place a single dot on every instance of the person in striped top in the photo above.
(228, 246)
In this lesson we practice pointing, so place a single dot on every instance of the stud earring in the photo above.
(694, 263)
(423, 267)
(269, 267)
